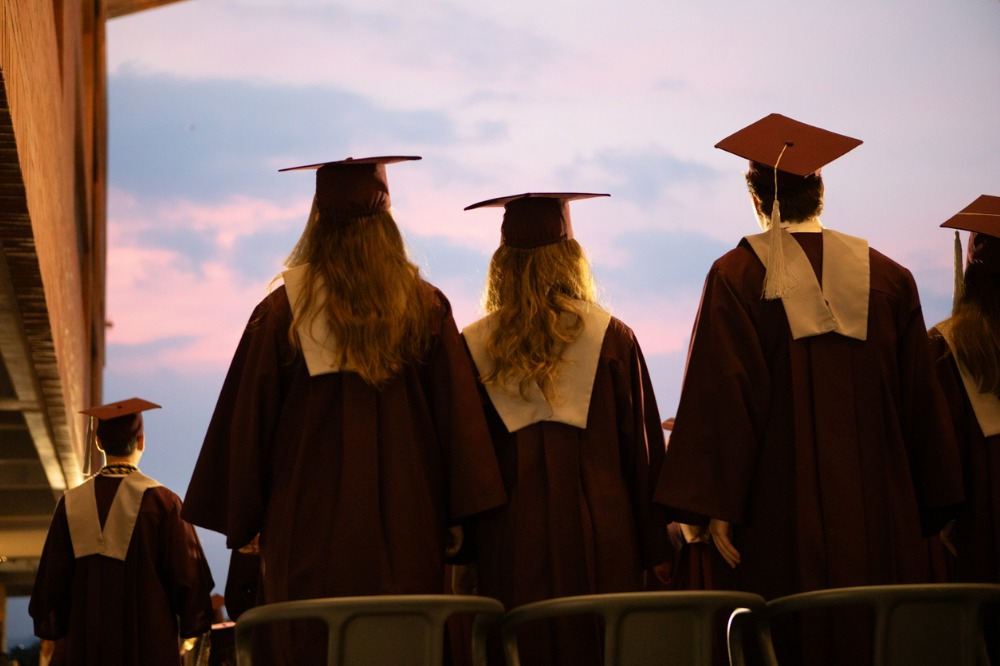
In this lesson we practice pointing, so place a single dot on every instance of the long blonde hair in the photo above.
(377, 306)
(531, 294)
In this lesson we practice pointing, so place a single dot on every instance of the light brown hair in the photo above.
(378, 308)
(531, 294)
(976, 328)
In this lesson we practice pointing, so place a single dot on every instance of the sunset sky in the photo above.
(209, 98)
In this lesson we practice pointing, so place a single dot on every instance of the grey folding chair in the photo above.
(378, 630)
(646, 628)
(929, 624)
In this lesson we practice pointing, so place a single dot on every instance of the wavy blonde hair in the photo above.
(378, 308)
(531, 294)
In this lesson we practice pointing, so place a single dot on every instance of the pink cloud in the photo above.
(158, 293)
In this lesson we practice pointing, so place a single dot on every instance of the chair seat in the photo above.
(390, 629)
(643, 628)
(929, 624)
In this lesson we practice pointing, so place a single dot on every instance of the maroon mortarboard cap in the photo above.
(982, 216)
(120, 421)
(982, 219)
(352, 188)
(806, 148)
(534, 219)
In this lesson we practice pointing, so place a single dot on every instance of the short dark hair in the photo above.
(120, 447)
(801, 197)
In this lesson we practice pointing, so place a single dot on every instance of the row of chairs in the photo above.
(914, 624)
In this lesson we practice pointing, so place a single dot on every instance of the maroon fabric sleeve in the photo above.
(50, 598)
(474, 477)
(645, 446)
(226, 492)
(188, 580)
(726, 390)
(928, 432)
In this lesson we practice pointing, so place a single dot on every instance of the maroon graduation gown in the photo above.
(977, 528)
(825, 453)
(580, 519)
(125, 613)
(351, 488)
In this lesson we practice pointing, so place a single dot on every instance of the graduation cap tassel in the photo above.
(959, 289)
(775, 277)
(89, 447)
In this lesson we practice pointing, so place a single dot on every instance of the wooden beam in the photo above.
(116, 8)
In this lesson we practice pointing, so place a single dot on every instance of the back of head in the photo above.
(118, 447)
(800, 197)
(532, 293)
(377, 306)
(522, 280)
(536, 276)
(119, 425)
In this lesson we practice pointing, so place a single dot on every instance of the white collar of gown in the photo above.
(840, 304)
(574, 382)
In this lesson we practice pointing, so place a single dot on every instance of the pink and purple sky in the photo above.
(209, 98)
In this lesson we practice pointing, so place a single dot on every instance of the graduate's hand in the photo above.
(695, 533)
(456, 537)
(947, 536)
(721, 532)
(252, 548)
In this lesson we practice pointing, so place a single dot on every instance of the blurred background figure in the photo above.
(121, 575)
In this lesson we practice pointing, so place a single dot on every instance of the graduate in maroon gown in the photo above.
(575, 428)
(811, 437)
(348, 434)
(121, 574)
(967, 348)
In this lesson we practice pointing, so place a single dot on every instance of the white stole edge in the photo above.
(85, 523)
(841, 306)
(985, 406)
(319, 348)
(574, 383)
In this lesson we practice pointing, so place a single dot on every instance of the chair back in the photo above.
(914, 624)
(646, 628)
(384, 630)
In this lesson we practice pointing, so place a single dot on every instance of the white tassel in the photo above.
(776, 281)
(775, 277)
(959, 288)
